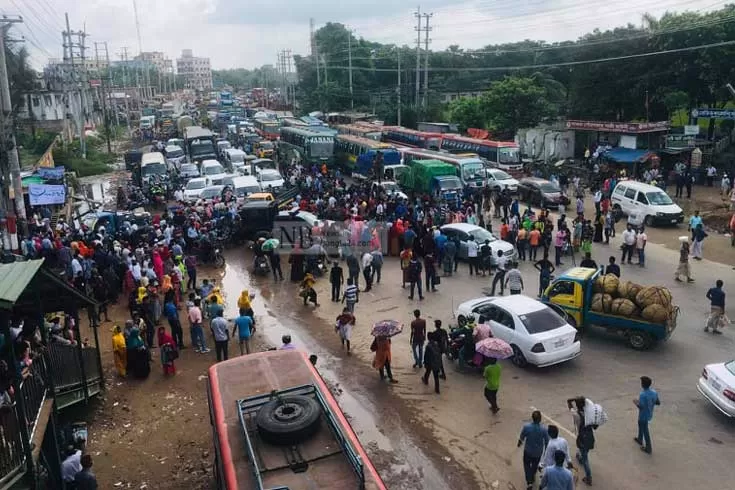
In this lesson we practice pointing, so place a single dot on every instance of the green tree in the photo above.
(674, 101)
(468, 113)
(514, 103)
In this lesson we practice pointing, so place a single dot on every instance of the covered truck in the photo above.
(199, 144)
(644, 315)
(432, 177)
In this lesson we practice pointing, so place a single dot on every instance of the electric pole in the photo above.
(11, 169)
(426, 62)
(104, 95)
(349, 55)
(147, 80)
(398, 88)
(124, 59)
(109, 77)
(417, 14)
(75, 79)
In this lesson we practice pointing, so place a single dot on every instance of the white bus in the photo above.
(470, 169)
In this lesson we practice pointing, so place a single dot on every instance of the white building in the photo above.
(197, 71)
(158, 60)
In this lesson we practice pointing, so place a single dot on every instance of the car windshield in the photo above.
(195, 184)
(542, 320)
(213, 169)
(211, 192)
(508, 155)
(549, 187)
(237, 158)
(175, 153)
(270, 177)
(500, 175)
(659, 198)
(472, 171)
(153, 169)
(266, 145)
(189, 168)
(391, 187)
(730, 366)
(481, 234)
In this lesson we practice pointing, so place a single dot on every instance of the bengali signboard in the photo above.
(51, 173)
(713, 113)
(618, 127)
(43, 194)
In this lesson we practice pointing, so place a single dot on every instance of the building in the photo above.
(158, 60)
(196, 71)
(90, 64)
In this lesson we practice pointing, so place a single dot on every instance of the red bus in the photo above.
(502, 154)
(410, 137)
(276, 425)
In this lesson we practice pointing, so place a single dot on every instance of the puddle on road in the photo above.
(400, 462)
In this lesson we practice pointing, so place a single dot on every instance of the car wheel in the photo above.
(461, 321)
(518, 358)
(639, 340)
(649, 220)
(288, 420)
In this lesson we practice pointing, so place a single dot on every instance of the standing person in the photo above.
(221, 335)
(430, 272)
(698, 240)
(417, 338)
(120, 352)
(609, 226)
(559, 243)
(367, 270)
(381, 362)
(694, 221)
(491, 374)
(406, 255)
(598, 199)
(535, 437)
(472, 258)
(640, 244)
(85, 479)
(442, 338)
(588, 262)
(353, 269)
(534, 239)
(557, 477)
(513, 279)
(683, 269)
(612, 267)
(449, 262)
(275, 259)
(195, 324)
(351, 296)
(190, 262)
(377, 263)
(629, 240)
(172, 315)
(711, 174)
(522, 243)
(585, 436)
(546, 269)
(500, 263)
(345, 323)
(432, 361)
(245, 327)
(716, 296)
(336, 279)
(168, 351)
(414, 276)
(645, 402)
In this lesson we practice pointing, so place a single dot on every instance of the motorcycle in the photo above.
(456, 344)
(261, 266)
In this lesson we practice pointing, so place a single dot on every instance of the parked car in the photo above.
(540, 192)
(391, 189)
(717, 384)
(465, 232)
(270, 179)
(538, 334)
(194, 188)
(645, 203)
(498, 180)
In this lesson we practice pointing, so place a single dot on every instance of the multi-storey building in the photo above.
(196, 71)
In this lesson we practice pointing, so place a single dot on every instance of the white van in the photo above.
(647, 203)
(213, 170)
(242, 186)
(153, 164)
(235, 159)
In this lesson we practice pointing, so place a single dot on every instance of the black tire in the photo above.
(648, 221)
(288, 420)
(461, 321)
(640, 340)
(518, 358)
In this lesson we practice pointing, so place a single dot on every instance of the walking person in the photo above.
(500, 263)
(377, 264)
(442, 338)
(640, 245)
(559, 243)
(172, 315)
(432, 361)
(414, 277)
(585, 436)
(367, 270)
(430, 273)
(417, 338)
(344, 326)
(195, 324)
(513, 279)
(351, 296)
(557, 477)
(381, 362)
(245, 327)
(353, 269)
(336, 279)
(546, 269)
(522, 243)
(698, 237)
(556, 443)
(535, 437)
(275, 260)
(609, 226)
(645, 402)
(534, 240)
(472, 256)
(168, 351)
(221, 334)
(716, 296)
(683, 269)
(491, 373)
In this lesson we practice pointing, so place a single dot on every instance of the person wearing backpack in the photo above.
(414, 276)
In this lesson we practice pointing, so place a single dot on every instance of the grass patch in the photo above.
(98, 160)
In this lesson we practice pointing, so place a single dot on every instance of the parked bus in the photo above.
(399, 135)
(314, 146)
(268, 128)
(293, 122)
(275, 424)
(501, 154)
(435, 127)
(368, 131)
(358, 155)
(470, 168)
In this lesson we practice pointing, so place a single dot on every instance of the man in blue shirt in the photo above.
(536, 437)
(557, 477)
(172, 314)
(716, 296)
(645, 403)
(245, 326)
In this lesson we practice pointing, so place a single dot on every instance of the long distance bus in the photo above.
(410, 137)
(314, 146)
(470, 169)
(267, 128)
(358, 155)
(502, 154)
(368, 131)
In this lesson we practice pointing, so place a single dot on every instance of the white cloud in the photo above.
(234, 33)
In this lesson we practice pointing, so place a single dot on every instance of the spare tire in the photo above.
(288, 420)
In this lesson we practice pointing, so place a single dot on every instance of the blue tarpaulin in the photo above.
(626, 155)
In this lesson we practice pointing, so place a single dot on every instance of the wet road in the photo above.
(422, 440)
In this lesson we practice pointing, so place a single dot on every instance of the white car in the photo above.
(213, 170)
(465, 231)
(270, 179)
(537, 333)
(717, 384)
(498, 180)
(209, 193)
(392, 189)
(194, 188)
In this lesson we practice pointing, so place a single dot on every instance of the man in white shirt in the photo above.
(640, 245)
(555, 444)
(367, 270)
(71, 465)
(135, 270)
(472, 249)
(628, 244)
(711, 174)
(598, 199)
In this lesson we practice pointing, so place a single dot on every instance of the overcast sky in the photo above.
(238, 33)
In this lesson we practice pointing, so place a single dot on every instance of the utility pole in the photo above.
(426, 62)
(398, 88)
(147, 80)
(80, 119)
(290, 82)
(11, 170)
(109, 77)
(349, 51)
(124, 58)
(104, 96)
(418, 28)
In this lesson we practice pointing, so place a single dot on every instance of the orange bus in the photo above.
(275, 425)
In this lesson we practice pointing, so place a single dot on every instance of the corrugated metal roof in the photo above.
(14, 278)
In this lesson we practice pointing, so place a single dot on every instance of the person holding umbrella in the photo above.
(383, 331)
(493, 348)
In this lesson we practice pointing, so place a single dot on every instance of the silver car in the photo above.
(465, 232)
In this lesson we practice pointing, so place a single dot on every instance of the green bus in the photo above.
(313, 146)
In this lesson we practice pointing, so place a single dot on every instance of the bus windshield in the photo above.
(322, 147)
(433, 143)
(202, 148)
(153, 169)
(472, 171)
(508, 155)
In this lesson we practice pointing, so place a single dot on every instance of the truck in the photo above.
(199, 143)
(147, 122)
(432, 177)
(182, 123)
(573, 292)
